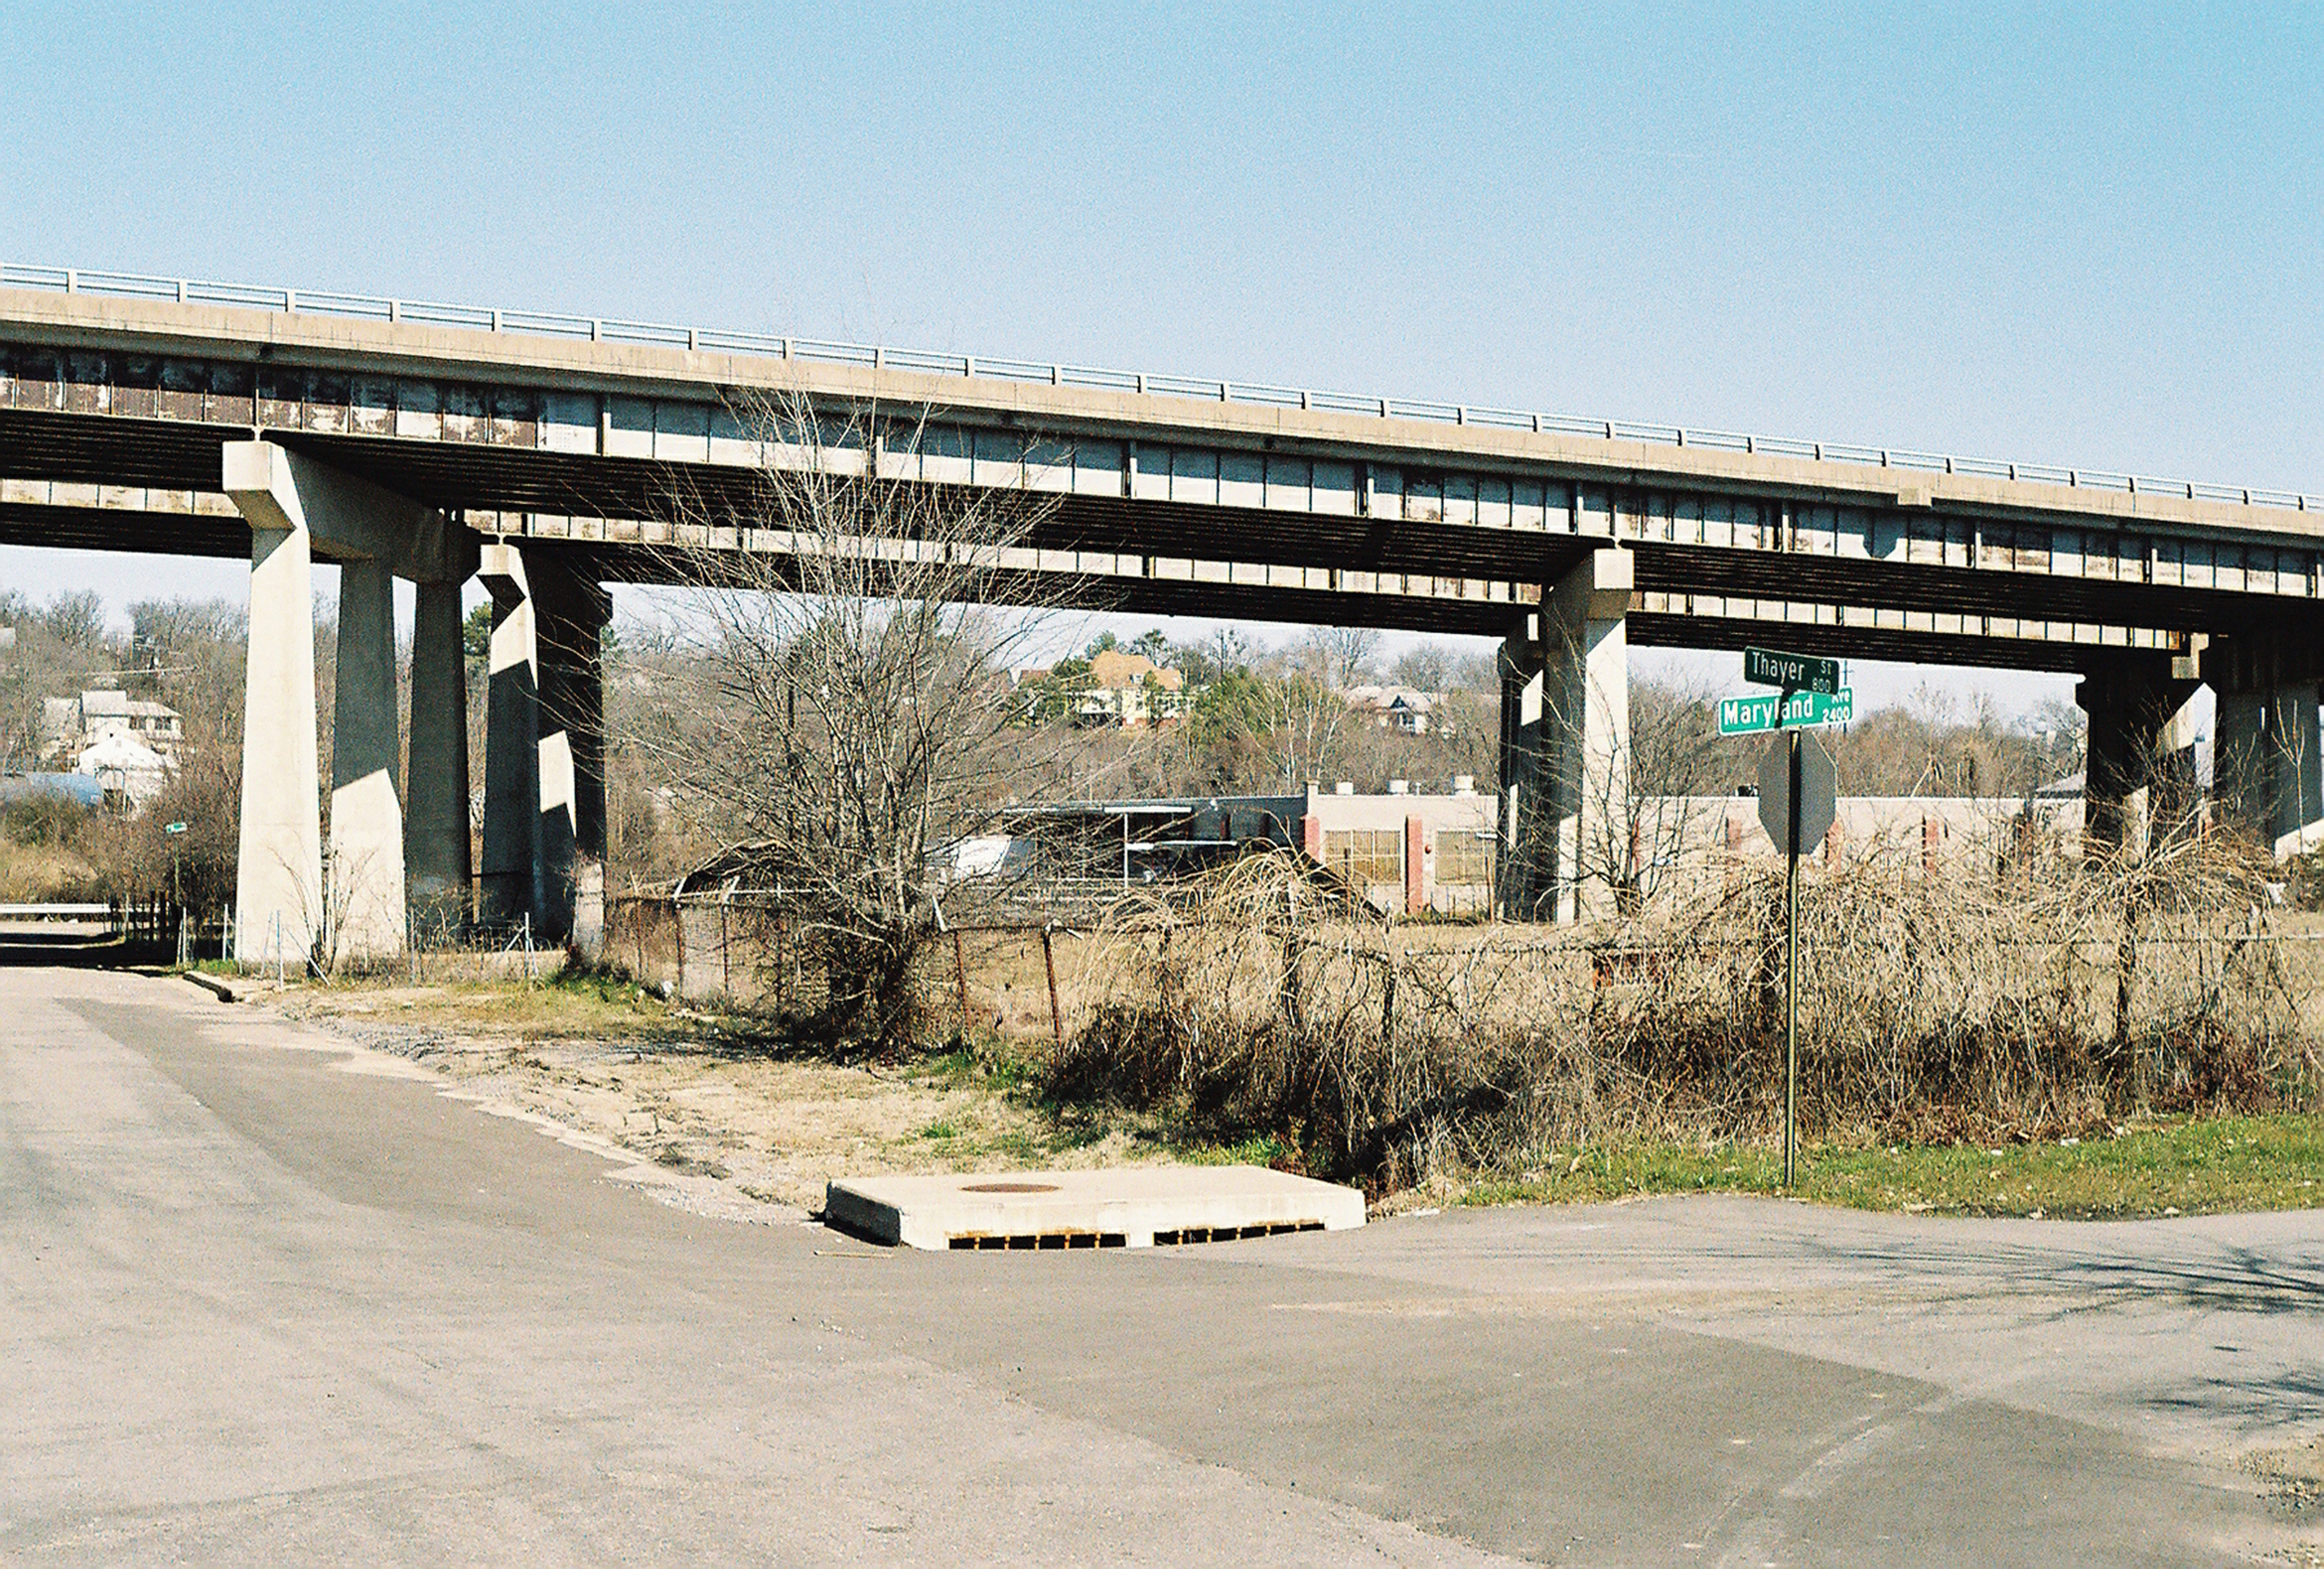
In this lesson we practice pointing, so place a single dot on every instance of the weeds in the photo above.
(1938, 1005)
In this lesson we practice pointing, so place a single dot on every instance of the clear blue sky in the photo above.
(2092, 235)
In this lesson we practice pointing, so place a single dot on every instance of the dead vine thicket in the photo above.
(1937, 1002)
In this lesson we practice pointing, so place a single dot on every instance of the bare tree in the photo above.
(1426, 666)
(856, 724)
(1338, 657)
(1304, 740)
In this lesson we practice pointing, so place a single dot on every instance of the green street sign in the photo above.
(173, 827)
(1790, 710)
(1793, 672)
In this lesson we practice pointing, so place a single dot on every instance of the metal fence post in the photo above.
(1056, 1015)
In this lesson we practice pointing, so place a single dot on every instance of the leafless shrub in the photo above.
(1936, 1003)
(851, 721)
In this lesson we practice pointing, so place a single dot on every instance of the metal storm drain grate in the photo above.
(1034, 1242)
(1186, 1234)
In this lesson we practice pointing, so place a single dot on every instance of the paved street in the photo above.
(269, 1299)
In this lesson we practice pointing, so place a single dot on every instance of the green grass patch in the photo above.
(979, 1063)
(2178, 1166)
(1263, 1149)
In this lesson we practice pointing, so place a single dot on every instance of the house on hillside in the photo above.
(1406, 709)
(71, 725)
(1113, 687)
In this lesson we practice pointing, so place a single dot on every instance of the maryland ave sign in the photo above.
(1790, 710)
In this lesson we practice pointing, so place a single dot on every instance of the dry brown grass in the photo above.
(38, 874)
(1936, 1003)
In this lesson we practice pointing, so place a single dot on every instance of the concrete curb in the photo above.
(222, 989)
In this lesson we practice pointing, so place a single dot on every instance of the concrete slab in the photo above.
(1142, 1207)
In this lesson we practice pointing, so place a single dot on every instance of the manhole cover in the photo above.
(1008, 1187)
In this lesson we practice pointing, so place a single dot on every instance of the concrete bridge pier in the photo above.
(571, 612)
(437, 860)
(2139, 773)
(285, 908)
(1518, 870)
(366, 848)
(544, 849)
(1566, 746)
(508, 881)
(278, 889)
(2267, 752)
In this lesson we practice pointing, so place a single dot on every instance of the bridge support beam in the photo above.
(2267, 751)
(1518, 871)
(367, 852)
(278, 887)
(508, 882)
(1566, 746)
(571, 611)
(2139, 775)
(437, 861)
(544, 749)
(299, 510)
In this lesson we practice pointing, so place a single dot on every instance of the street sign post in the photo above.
(1793, 672)
(1799, 795)
(1790, 710)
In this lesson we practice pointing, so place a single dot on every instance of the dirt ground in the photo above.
(674, 1087)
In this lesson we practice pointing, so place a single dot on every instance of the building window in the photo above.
(1464, 858)
(1366, 858)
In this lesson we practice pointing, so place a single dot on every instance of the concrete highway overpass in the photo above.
(431, 441)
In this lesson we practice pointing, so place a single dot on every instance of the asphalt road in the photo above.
(265, 1297)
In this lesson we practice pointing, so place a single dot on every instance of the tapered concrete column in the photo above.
(2267, 756)
(437, 861)
(278, 883)
(570, 612)
(2295, 785)
(2238, 760)
(544, 747)
(1521, 872)
(2139, 772)
(508, 882)
(1586, 717)
(1566, 746)
(367, 863)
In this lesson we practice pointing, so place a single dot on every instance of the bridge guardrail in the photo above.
(379, 308)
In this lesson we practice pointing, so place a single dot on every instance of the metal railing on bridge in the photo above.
(609, 329)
